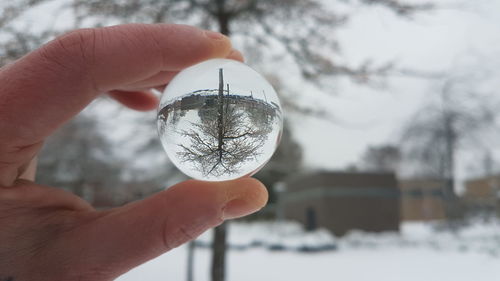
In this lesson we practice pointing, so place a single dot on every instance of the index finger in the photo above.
(52, 84)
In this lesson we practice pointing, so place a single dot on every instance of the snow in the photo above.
(419, 252)
(274, 236)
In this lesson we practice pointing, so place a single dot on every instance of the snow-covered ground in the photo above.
(420, 252)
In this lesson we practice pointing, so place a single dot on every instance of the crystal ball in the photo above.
(219, 120)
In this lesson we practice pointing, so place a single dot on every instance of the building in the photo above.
(482, 195)
(422, 199)
(341, 201)
(192, 102)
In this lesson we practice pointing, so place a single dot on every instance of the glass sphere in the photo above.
(219, 120)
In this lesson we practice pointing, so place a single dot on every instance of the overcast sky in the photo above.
(436, 41)
(432, 41)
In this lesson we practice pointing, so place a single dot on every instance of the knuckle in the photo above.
(181, 236)
(71, 45)
(78, 42)
(73, 51)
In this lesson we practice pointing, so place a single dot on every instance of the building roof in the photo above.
(336, 179)
(422, 184)
(492, 179)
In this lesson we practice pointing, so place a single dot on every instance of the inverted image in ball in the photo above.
(219, 120)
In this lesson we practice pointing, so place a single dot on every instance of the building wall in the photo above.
(374, 214)
(482, 188)
(297, 211)
(345, 201)
(483, 195)
(422, 209)
(422, 200)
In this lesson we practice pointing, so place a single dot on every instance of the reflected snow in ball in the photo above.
(219, 120)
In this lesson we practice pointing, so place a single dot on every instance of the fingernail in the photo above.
(238, 208)
(214, 35)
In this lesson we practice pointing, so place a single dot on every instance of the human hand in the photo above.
(49, 234)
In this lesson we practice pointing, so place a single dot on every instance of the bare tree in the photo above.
(455, 120)
(299, 26)
(78, 156)
(383, 158)
(81, 159)
(222, 142)
(286, 160)
(216, 152)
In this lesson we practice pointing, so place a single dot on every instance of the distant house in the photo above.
(422, 199)
(341, 201)
(482, 195)
(192, 102)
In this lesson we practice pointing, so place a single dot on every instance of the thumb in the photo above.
(133, 234)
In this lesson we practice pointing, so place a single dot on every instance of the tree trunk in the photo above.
(223, 17)
(452, 207)
(219, 242)
(223, 20)
(219, 253)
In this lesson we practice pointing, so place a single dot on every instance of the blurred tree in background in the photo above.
(287, 160)
(77, 157)
(382, 158)
(297, 33)
(456, 118)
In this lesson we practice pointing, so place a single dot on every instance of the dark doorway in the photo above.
(311, 223)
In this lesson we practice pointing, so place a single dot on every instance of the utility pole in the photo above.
(220, 115)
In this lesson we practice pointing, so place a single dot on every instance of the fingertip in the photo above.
(222, 45)
(236, 198)
(241, 197)
(215, 35)
(195, 45)
(247, 197)
(254, 190)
